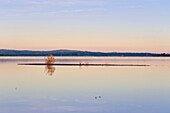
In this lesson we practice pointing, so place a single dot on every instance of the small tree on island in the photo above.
(50, 59)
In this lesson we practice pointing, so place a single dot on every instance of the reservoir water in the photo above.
(83, 89)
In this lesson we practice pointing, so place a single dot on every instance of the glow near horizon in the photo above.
(95, 25)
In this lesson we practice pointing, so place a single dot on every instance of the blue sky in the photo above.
(96, 25)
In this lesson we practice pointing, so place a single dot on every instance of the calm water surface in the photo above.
(41, 89)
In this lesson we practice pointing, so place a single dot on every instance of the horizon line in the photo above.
(83, 50)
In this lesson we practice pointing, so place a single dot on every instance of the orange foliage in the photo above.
(50, 59)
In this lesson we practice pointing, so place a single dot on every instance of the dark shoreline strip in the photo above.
(86, 64)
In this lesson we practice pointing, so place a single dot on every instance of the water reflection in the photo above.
(50, 70)
(103, 89)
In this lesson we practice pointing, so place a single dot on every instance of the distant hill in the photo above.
(6, 52)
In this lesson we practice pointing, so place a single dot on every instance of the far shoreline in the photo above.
(86, 56)
(76, 53)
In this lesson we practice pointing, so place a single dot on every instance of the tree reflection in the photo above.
(50, 70)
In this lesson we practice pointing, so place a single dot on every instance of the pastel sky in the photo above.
(95, 25)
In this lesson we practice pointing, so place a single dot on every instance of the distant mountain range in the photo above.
(6, 52)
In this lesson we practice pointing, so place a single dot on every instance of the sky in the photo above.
(92, 25)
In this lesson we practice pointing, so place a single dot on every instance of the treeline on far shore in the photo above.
(4, 52)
